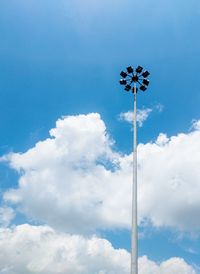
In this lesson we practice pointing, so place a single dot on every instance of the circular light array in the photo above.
(132, 76)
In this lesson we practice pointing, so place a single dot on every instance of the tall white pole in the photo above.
(134, 237)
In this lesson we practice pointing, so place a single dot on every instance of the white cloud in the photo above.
(7, 214)
(196, 124)
(126, 116)
(64, 182)
(172, 266)
(27, 249)
(75, 182)
(170, 181)
(162, 139)
(142, 115)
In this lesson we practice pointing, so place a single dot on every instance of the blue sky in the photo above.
(63, 58)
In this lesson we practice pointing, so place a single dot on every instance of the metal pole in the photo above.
(134, 238)
(134, 76)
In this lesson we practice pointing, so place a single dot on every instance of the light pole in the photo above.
(132, 78)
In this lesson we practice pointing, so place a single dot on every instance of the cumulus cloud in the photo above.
(142, 115)
(172, 266)
(170, 181)
(7, 214)
(64, 180)
(196, 124)
(159, 107)
(29, 249)
(74, 181)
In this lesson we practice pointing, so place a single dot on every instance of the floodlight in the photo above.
(123, 74)
(123, 82)
(143, 88)
(136, 79)
(127, 87)
(139, 69)
(145, 82)
(129, 69)
(145, 74)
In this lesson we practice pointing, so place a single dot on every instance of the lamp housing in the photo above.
(145, 74)
(143, 88)
(145, 82)
(127, 87)
(130, 69)
(123, 74)
(123, 82)
(139, 69)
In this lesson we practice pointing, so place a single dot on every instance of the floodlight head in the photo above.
(134, 79)
(139, 69)
(145, 74)
(143, 88)
(123, 82)
(127, 87)
(129, 69)
(123, 74)
(145, 82)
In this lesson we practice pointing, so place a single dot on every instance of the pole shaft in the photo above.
(134, 232)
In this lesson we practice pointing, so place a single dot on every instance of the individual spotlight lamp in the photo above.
(123, 82)
(129, 69)
(145, 74)
(131, 79)
(127, 87)
(139, 69)
(143, 88)
(145, 82)
(123, 74)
